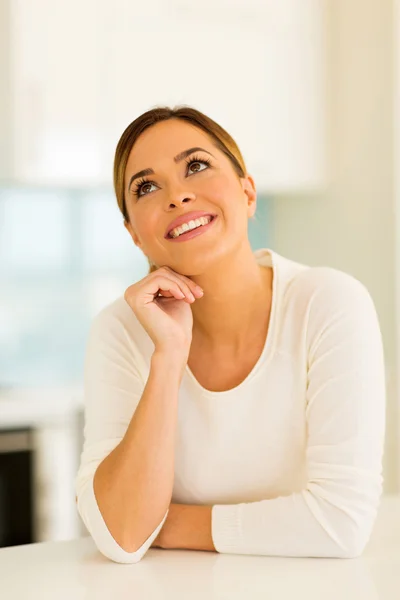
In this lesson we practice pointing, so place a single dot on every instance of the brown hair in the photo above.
(221, 139)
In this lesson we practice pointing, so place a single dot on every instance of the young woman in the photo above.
(234, 400)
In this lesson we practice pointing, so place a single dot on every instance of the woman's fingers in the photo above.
(191, 285)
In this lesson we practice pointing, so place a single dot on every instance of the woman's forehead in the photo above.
(169, 137)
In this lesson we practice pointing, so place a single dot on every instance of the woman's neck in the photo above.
(233, 305)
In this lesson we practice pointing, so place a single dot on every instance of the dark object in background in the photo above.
(16, 515)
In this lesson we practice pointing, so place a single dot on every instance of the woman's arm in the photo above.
(345, 410)
(133, 484)
(125, 480)
(187, 527)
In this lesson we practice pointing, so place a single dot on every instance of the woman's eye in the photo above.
(197, 162)
(141, 186)
(146, 185)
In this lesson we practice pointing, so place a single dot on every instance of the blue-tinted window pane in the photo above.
(106, 243)
(34, 232)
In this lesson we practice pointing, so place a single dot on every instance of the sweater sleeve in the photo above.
(345, 415)
(112, 390)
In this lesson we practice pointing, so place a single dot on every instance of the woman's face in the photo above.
(176, 188)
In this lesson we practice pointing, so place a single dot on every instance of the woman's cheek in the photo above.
(216, 189)
(146, 227)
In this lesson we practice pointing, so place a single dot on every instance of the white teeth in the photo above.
(190, 225)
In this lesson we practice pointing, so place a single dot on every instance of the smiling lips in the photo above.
(185, 218)
(192, 224)
(191, 233)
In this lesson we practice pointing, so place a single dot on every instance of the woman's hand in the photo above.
(161, 302)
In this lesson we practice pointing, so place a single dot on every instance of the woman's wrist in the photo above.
(171, 360)
(175, 354)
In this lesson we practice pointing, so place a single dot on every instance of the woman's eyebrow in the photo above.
(177, 159)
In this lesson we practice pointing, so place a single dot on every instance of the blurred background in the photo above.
(309, 89)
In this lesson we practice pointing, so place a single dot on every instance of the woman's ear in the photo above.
(249, 189)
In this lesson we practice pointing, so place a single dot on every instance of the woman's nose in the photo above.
(179, 197)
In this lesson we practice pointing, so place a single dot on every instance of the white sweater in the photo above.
(290, 459)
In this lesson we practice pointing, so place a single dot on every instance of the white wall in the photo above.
(6, 97)
(351, 225)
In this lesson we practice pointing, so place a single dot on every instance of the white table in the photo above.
(75, 570)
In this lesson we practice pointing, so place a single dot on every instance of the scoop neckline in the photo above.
(267, 350)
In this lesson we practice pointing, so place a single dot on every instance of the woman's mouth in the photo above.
(188, 235)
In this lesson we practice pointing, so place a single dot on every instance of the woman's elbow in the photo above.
(124, 559)
(109, 547)
(353, 549)
(352, 543)
(348, 526)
